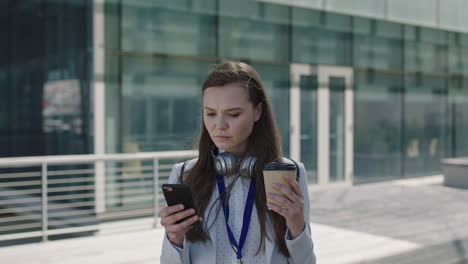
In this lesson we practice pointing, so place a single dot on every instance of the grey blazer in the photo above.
(301, 248)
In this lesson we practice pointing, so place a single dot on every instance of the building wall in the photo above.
(411, 82)
(411, 90)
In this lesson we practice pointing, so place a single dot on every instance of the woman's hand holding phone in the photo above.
(176, 231)
(179, 216)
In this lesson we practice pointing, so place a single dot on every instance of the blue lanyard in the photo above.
(247, 214)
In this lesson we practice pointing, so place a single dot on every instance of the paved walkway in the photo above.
(408, 221)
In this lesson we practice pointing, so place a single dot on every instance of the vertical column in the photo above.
(297, 70)
(156, 191)
(99, 102)
(349, 130)
(323, 127)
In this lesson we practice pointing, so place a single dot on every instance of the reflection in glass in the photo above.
(459, 106)
(253, 30)
(337, 128)
(308, 86)
(321, 38)
(425, 49)
(160, 103)
(377, 125)
(276, 81)
(169, 27)
(377, 44)
(425, 123)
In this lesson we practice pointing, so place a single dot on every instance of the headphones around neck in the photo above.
(227, 164)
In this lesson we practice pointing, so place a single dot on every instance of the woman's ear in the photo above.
(258, 111)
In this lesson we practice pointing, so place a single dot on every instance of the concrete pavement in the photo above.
(406, 221)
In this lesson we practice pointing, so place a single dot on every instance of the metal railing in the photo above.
(45, 196)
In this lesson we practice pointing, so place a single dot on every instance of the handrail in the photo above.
(91, 158)
(37, 193)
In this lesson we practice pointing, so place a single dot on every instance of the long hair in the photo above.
(263, 143)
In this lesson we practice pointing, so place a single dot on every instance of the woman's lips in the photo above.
(222, 137)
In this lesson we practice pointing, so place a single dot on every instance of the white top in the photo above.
(224, 251)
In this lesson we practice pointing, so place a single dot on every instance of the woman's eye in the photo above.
(234, 115)
(210, 114)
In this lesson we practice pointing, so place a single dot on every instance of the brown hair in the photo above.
(263, 143)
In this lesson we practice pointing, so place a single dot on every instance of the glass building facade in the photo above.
(45, 77)
(409, 63)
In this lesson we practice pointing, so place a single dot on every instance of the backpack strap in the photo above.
(181, 175)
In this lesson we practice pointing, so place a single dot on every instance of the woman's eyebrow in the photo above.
(225, 110)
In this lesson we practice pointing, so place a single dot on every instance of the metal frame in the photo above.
(323, 112)
(46, 161)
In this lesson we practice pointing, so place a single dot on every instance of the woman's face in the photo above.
(229, 116)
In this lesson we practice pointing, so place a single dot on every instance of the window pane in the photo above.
(377, 44)
(309, 86)
(459, 107)
(425, 123)
(425, 49)
(458, 53)
(416, 11)
(161, 103)
(276, 81)
(169, 27)
(378, 125)
(321, 38)
(251, 30)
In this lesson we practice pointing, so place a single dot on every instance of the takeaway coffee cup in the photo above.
(273, 172)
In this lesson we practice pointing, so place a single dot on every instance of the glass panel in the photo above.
(321, 38)
(459, 108)
(374, 8)
(423, 48)
(166, 92)
(176, 27)
(425, 124)
(44, 84)
(65, 98)
(453, 14)
(308, 86)
(417, 11)
(4, 82)
(377, 44)
(276, 81)
(252, 30)
(458, 53)
(377, 125)
(337, 128)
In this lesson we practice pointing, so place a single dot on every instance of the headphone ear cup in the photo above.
(224, 164)
(247, 166)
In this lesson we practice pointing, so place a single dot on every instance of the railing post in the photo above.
(156, 190)
(44, 202)
(100, 186)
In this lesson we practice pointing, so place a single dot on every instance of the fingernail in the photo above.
(181, 206)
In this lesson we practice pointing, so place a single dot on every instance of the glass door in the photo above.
(321, 117)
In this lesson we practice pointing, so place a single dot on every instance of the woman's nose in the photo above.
(221, 123)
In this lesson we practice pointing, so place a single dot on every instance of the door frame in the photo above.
(323, 72)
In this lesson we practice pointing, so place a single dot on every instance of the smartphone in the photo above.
(179, 194)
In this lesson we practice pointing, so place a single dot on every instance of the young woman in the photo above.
(237, 120)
